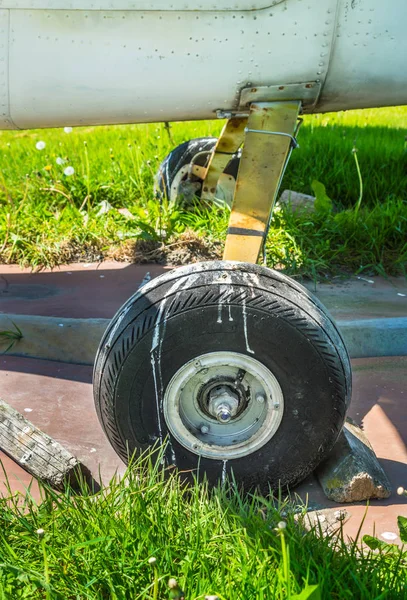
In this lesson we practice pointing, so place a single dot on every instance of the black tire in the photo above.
(182, 156)
(290, 333)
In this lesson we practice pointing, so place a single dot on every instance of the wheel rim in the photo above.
(218, 384)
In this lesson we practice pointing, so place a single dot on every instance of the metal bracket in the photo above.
(307, 92)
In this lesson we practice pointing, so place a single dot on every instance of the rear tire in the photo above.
(215, 314)
(173, 171)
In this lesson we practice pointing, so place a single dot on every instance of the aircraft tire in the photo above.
(233, 366)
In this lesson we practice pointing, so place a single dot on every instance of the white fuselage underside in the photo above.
(77, 62)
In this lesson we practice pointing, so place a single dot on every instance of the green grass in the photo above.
(48, 218)
(213, 542)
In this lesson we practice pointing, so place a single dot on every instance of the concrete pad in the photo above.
(59, 400)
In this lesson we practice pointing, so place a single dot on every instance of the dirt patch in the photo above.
(186, 248)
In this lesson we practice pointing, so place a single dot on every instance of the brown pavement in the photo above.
(80, 290)
(98, 289)
(57, 397)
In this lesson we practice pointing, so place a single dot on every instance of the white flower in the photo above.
(69, 171)
(60, 161)
(68, 129)
(40, 145)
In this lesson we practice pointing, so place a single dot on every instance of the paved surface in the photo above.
(92, 290)
(58, 398)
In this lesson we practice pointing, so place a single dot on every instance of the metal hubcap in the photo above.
(223, 405)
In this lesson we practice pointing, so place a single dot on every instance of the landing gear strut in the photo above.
(237, 366)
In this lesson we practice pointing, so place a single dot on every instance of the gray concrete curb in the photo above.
(76, 340)
(375, 337)
(66, 340)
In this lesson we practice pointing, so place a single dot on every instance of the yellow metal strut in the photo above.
(229, 142)
(268, 138)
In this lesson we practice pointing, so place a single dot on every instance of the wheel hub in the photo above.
(223, 405)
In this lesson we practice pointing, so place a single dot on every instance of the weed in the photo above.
(10, 336)
(359, 202)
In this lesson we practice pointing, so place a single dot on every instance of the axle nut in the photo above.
(224, 415)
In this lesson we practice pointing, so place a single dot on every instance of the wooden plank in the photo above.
(40, 455)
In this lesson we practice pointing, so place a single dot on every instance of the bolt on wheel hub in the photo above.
(223, 405)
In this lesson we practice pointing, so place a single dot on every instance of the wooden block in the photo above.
(39, 454)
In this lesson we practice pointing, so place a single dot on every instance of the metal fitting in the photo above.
(223, 404)
(231, 114)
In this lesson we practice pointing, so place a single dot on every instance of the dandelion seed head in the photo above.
(40, 533)
(172, 583)
(400, 491)
(68, 129)
(152, 560)
(40, 145)
(69, 171)
(60, 161)
(282, 525)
